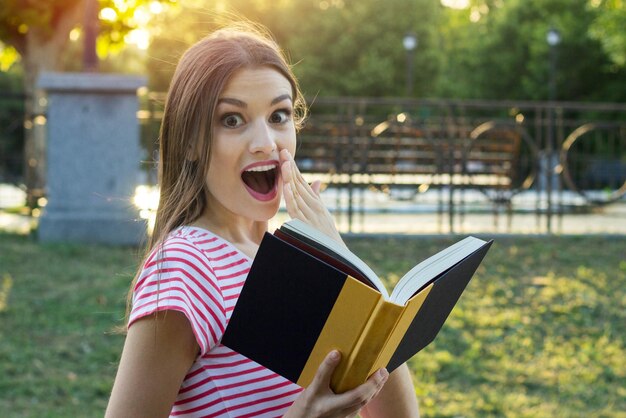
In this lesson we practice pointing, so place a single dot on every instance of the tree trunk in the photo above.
(40, 57)
(41, 53)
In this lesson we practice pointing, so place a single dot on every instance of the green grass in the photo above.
(58, 348)
(540, 331)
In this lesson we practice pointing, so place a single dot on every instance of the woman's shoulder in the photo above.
(191, 238)
(196, 242)
(192, 235)
(186, 253)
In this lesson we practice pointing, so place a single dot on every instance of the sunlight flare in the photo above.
(156, 7)
(141, 16)
(120, 5)
(108, 14)
(75, 34)
(146, 199)
(138, 37)
(455, 4)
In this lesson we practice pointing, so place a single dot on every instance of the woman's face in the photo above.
(253, 122)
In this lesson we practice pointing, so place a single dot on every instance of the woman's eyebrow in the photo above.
(234, 102)
(242, 104)
(281, 98)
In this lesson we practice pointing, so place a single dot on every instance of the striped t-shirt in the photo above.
(201, 275)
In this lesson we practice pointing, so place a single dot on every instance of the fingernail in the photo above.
(334, 355)
(383, 374)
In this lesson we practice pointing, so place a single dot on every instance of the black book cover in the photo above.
(442, 298)
(300, 291)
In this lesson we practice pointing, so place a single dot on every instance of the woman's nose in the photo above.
(263, 139)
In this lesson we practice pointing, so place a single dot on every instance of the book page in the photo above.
(333, 248)
(429, 269)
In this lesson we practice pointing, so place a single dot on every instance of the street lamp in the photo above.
(410, 43)
(553, 38)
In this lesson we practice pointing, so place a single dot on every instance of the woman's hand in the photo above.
(303, 200)
(318, 400)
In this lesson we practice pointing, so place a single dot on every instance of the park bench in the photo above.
(400, 154)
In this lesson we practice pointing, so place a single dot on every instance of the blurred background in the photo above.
(519, 104)
(428, 119)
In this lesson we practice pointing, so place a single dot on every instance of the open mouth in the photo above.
(261, 179)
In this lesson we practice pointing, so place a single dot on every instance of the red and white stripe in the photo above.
(201, 275)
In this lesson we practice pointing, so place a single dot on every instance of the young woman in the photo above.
(226, 145)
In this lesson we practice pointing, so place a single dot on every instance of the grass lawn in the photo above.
(540, 331)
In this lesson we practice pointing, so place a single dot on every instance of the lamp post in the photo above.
(410, 43)
(553, 38)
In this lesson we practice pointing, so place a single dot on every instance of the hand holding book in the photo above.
(325, 402)
(306, 295)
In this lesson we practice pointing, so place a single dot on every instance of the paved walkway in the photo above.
(609, 221)
(420, 216)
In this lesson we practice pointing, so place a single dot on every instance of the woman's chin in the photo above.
(266, 210)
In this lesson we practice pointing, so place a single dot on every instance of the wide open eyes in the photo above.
(232, 120)
(235, 120)
(280, 116)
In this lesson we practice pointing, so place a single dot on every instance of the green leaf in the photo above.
(8, 57)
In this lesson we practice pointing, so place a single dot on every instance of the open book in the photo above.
(307, 294)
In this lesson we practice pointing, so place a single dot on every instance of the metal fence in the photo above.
(451, 158)
(459, 157)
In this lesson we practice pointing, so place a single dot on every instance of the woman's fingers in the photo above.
(321, 381)
(355, 399)
(316, 186)
(318, 400)
(300, 198)
(300, 182)
(293, 206)
(293, 176)
(303, 200)
(306, 194)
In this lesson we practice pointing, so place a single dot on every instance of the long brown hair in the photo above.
(186, 129)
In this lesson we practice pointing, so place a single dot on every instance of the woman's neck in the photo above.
(245, 234)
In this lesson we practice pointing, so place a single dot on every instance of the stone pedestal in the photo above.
(93, 158)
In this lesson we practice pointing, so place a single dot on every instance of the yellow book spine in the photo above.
(343, 327)
(365, 353)
(402, 325)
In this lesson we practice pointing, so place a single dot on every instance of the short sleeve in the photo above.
(177, 276)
